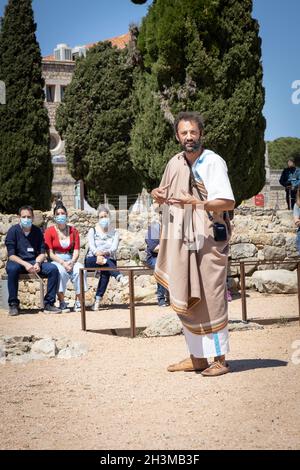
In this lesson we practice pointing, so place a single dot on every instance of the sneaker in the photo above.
(97, 305)
(13, 310)
(77, 306)
(122, 279)
(64, 307)
(51, 309)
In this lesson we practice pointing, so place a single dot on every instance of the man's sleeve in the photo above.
(216, 180)
(10, 242)
(41, 242)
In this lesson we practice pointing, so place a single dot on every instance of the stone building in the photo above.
(58, 70)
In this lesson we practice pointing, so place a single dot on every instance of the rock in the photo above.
(62, 343)
(24, 359)
(278, 239)
(46, 347)
(243, 250)
(261, 239)
(73, 350)
(274, 253)
(4, 228)
(236, 325)
(280, 281)
(38, 218)
(2, 351)
(3, 253)
(168, 325)
(144, 293)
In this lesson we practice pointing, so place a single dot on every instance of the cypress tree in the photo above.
(203, 55)
(95, 119)
(25, 160)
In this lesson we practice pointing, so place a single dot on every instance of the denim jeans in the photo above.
(48, 270)
(90, 262)
(162, 293)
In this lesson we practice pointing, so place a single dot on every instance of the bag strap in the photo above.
(193, 184)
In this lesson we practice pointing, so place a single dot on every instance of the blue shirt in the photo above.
(26, 247)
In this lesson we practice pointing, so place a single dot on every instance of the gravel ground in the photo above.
(120, 396)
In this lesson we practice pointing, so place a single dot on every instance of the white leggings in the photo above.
(72, 276)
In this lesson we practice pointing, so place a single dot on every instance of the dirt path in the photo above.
(120, 396)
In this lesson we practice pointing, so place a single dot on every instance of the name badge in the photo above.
(30, 249)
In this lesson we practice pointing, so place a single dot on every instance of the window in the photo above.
(62, 92)
(50, 93)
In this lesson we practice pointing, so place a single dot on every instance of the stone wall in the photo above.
(257, 235)
(63, 183)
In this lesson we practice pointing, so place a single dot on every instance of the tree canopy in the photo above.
(280, 150)
(25, 160)
(96, 119)
(201, 55)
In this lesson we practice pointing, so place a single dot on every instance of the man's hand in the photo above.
(297, 223)
(186, 199)
(159, 194)
(30, 268)
(37, 267)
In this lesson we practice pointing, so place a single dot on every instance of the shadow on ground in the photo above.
(240, 365)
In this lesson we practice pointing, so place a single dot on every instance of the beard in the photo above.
(191, 146)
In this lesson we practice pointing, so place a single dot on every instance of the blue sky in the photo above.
(80, 22)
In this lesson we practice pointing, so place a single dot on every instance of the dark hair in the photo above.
(189, 116)
(59, 205)
(26, 208)
(295, 157)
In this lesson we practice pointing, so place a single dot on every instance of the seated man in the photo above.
(152, 247)
(26, 254)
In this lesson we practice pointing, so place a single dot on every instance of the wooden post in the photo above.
(131, 303)
(243, 291)
(83, 318)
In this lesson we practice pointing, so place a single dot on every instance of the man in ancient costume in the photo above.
(196, 194)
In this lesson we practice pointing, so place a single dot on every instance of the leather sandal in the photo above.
(190, 364)
(216, 368)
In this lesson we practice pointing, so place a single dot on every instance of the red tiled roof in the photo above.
(119, 41)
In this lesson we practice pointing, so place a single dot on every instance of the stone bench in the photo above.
(31, 277)
(131, 271)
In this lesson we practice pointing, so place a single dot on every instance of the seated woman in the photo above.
(103, 243)
(63, 244)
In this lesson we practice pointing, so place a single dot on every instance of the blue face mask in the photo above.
(104, 223)
(61, 219)
(26, 223)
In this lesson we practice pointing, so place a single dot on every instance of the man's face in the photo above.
(291, 163)
(26, 214)
(189, 136)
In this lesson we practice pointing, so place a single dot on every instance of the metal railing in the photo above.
(131, 271)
